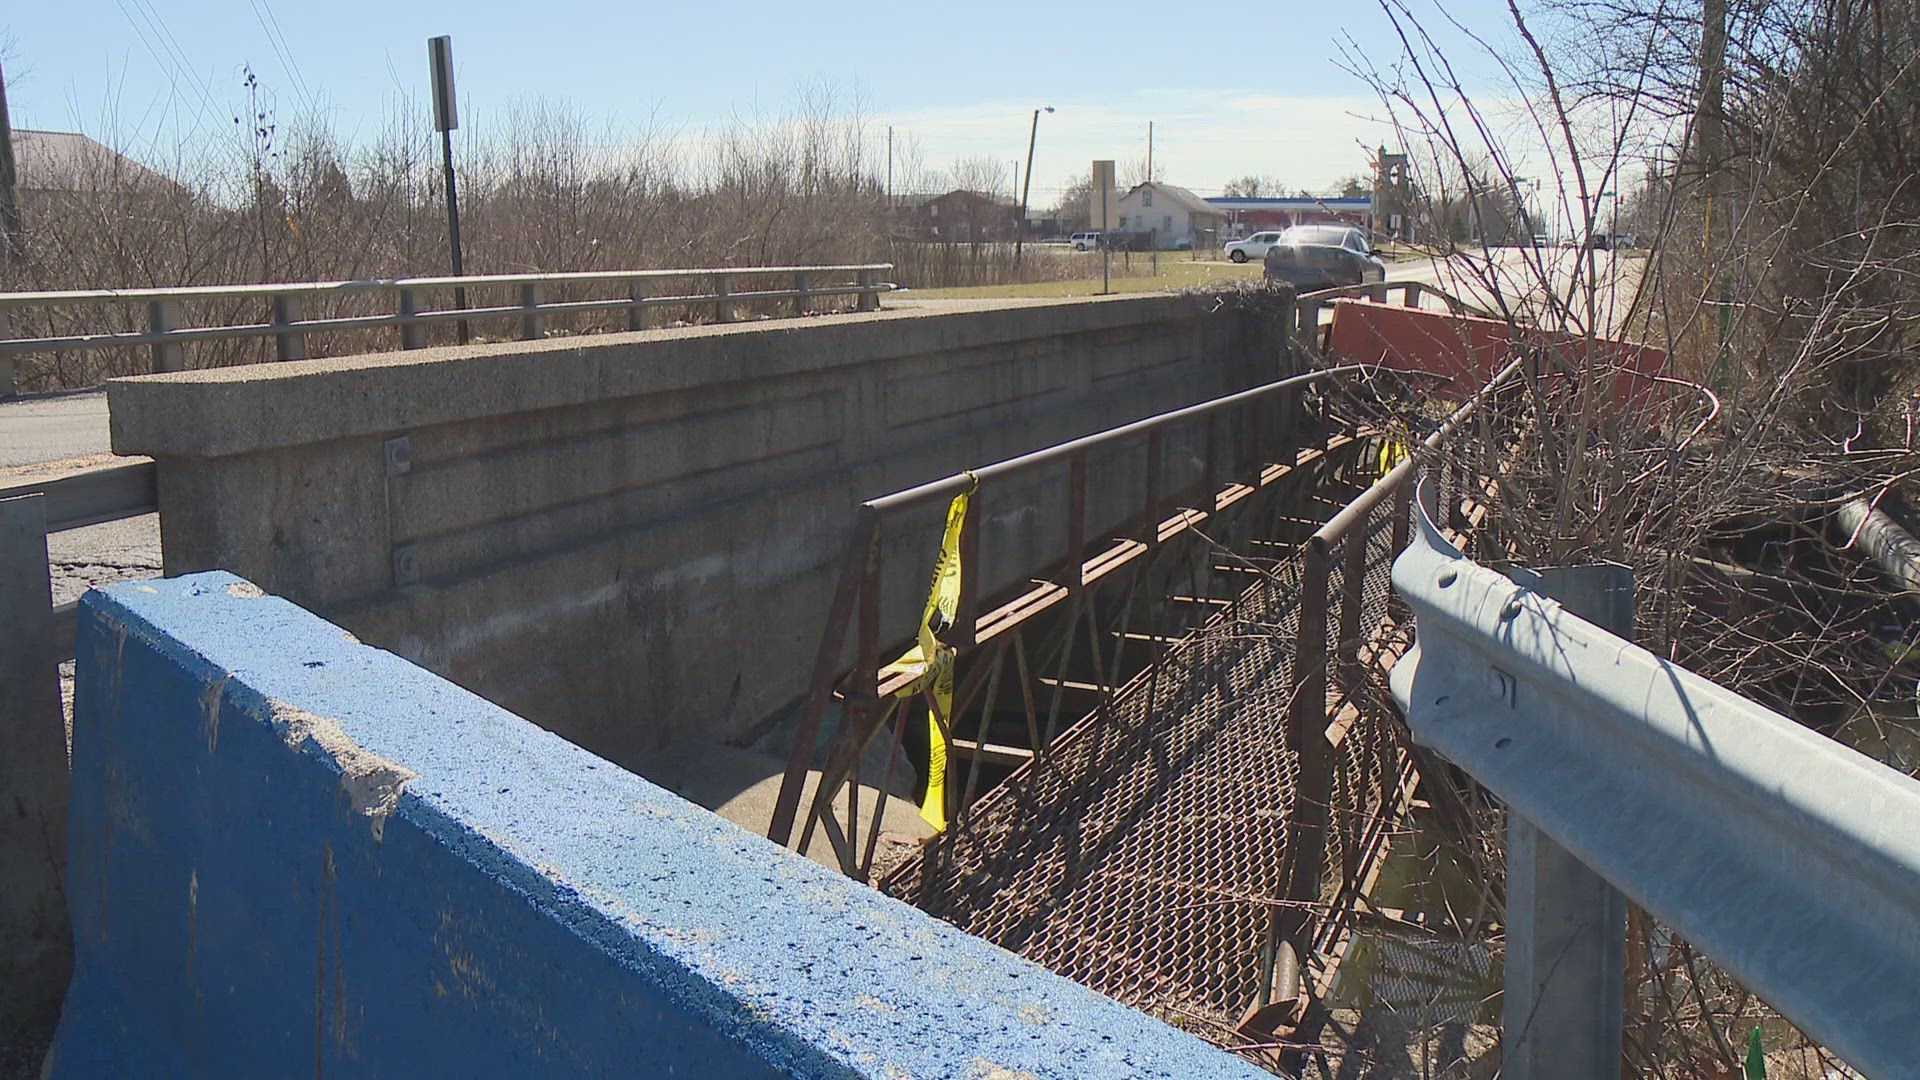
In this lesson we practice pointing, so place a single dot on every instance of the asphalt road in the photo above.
(53, 427)
(1520, 279)
(58, 427)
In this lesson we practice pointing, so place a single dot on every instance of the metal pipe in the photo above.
(1892, 548)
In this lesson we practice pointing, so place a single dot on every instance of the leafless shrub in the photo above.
(541, 189)
(1765, 153)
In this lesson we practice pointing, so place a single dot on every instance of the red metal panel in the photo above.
(1468, 349)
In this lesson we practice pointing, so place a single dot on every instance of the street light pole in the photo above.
(1020, 227)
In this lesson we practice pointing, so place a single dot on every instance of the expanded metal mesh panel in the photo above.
(1140, 855)
(1427, 980)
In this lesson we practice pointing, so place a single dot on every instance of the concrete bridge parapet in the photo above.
(294, 853)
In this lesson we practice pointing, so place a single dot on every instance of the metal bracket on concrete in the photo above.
(1791, 860)
(399, 455)
(406, 566)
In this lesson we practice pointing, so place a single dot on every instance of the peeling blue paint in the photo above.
(295, 854)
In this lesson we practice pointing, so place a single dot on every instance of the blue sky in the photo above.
(1231, 89)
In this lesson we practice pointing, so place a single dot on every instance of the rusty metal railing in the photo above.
(1271, 434)
(1338, 722)
(1199, 847)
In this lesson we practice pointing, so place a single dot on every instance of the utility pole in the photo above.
(1020, 230)
(889, 166)
(1149, 151)
(1707, 147)
(1709, 150)
(9, 209)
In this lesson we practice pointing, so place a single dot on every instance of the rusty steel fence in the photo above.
(1200, 846)
(1187, 473)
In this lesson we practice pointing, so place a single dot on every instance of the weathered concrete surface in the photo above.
(632, 539)
(298, 855)
(36, 946)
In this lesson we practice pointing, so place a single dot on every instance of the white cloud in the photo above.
(1202, 138)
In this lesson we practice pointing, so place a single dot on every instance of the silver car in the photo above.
(1323, 256)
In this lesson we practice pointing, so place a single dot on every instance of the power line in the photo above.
(263, 14)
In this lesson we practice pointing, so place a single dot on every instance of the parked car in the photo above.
(1597, 241)
(1084, 241)
(1323, 256)
(1253, 247)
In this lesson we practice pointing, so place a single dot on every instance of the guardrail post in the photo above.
(288, 344)
(413, 334)
(8, 387)
(1290, 322)
(36, 941)
(722, 307)
(637, 311)
(533, 325)
(1411, 297)
(1309, 335)
(1566, 926)
(801, 300)
(869, 292)
(164, 316)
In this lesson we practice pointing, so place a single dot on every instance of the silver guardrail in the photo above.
(1790, 859)
(282, 302)
(59, 498)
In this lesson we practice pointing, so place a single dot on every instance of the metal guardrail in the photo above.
(1793, 861)
(166, 333)
(32, 509)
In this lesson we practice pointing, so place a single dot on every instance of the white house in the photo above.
(1168, 215)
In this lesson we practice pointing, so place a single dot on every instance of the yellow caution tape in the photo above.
(930, 661)
(1392, 453)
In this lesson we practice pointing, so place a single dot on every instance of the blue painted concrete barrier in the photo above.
(293, 854)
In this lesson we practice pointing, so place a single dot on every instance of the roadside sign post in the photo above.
(445, 118)
(1103, 188)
